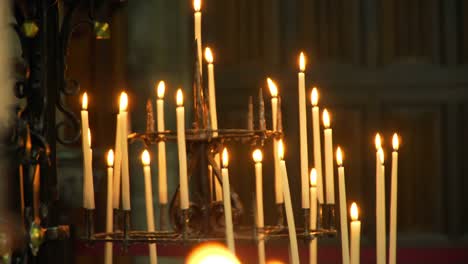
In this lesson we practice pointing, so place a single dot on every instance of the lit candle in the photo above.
(317, 145)
(117, 160)
(294, 253)
(162, 172)
(198, 30)
(328, 158)
(227, 202)
(145, 160)
(393, 202)
(109, 214)
(90, 182)
(303, 133)
(257, 157)
(124, 146)
(274, 114)
(355, 234)
(88, 202)
(211, 91)
(180, 111)
(313, 216)
(380, 209)
(343, 207)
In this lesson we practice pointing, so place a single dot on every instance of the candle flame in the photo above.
(380, 152)
(180, 97)
(110, 158)
(273, 88)
(395, 142)
(302, 62)
(161, 89)
(354, 212)
(123, 102)
(326, 119)
(208, 55)
(225, 158)
(314, 96)
(313, 177)
(197, 5)
(84, 101)
(212, 253)
(339, 157)
(257, 155)
(145, 158)
(280, 149)
(89, 137)
(378, 141)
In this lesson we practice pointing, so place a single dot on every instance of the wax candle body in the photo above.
(88, 193)
(329, 166)
(278, 185)
(125, 169)
(162, 172)
(149, 211)
(393, 209)
(259, 207)
(228, 210)
(182, 151)
(317, 151)
(212, 99)
(289, 215)
(117, 164)
(355, 241)
(380, 217)
(109, 214)
(303, 141)
(313, 225)
(198, 37)
(343, 216)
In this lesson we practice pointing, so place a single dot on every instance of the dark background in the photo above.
(381, 66)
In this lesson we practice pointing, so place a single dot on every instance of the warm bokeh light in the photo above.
(225, 158)
(212, 253)
(326, 119)
(257, 155)
(123, 102)
(84, 101)
(89, 137)
(110, 158)
(395, 142)
(274, 262)
(314, 96)
(273, 88)
(302, 62)
(197, 5)
(180, 97)
(378, 141)
(313, 177)
(354, 212)
(145, 158)
(208, 55)
(281, 149)
(381, 155)
(161, 89)
(339, 157)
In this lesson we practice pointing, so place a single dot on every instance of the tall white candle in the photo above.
(329, 181)
(90, 182)
(303, 132)
(211, 91)
(380, 209)
(124, 144)
(257, 157)
(355, 235)
(109, 206)
(393, 202)
(294, 252)
(227, 203)
(313, 216)
(88, 195)
(182, 151)
(274, 115)
(162, 172)
(343, 207)
(117, 163)
(145, 160)
(198, 30)
(317, 142)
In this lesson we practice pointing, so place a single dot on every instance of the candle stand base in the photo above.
(89, 222)
(306, 220)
